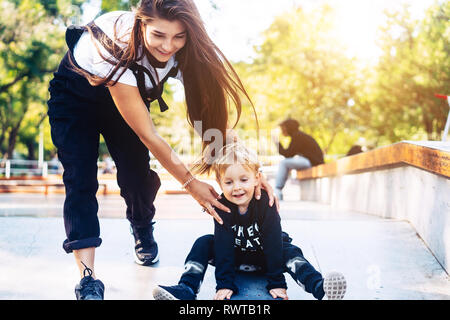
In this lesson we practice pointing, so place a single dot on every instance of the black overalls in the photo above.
(78, 114)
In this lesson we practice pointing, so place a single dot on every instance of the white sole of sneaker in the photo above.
(335, 286)
(139, 262)
(161, 294)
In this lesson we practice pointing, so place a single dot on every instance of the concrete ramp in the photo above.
(407, 181)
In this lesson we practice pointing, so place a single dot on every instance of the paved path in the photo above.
(381, 259)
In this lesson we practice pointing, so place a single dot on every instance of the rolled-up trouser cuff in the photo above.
(69, 246)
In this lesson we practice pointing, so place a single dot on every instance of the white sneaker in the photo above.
(335, 285)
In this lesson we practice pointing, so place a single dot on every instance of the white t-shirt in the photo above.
(87, 56)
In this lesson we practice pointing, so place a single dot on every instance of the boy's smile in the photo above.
(238, 185)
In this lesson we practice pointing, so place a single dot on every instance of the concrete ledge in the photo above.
(407, 152)
(404, 181)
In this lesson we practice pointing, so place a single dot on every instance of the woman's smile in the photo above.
(163, 38)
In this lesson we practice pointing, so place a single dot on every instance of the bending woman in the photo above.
(114, 68)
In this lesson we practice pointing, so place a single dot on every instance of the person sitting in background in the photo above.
(303, 152)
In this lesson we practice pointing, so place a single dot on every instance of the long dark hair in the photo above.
(210, 81)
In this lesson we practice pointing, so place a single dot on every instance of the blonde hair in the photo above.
(234, 153)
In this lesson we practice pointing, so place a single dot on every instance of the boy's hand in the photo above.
(223, 294)
(279, 293)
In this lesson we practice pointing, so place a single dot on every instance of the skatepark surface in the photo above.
(382, 259)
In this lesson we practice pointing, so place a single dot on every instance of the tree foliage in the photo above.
(301, 71)
(112, 5)
(31, 45)
(414, 66)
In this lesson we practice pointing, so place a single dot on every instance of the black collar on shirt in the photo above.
(234, 207)
(153, 61)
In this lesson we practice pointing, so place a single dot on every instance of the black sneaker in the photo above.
(178, 292)
(89, 288)
(146, 248)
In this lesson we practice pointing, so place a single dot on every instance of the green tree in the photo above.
(301, 71)
(112, 5)
(414, 66)
(31, 45)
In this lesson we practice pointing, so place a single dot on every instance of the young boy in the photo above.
(250, 239)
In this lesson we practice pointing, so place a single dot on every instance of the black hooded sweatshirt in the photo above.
(253, 238)
(304, 145)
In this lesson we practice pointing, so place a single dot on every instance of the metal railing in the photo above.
(18, 167)
(35, 168)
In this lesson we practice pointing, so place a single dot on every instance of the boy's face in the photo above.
(238, 185)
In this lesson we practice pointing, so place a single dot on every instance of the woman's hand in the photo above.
(223, 294)
(279, 293)
(266, 186)
(207, 197)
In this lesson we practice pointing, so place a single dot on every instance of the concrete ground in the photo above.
(381, 259)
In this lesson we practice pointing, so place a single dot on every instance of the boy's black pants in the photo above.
(202, 254)
(78, 114)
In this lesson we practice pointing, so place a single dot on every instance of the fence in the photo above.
(33, 168)
(17, 167)
(29, 168)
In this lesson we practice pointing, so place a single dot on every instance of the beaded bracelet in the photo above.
(187, 182)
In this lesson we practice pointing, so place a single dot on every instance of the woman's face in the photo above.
(163, 38)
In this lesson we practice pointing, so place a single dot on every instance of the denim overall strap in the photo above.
(139, 72)
(73, 34)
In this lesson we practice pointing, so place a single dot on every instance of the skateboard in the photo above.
(252, 286)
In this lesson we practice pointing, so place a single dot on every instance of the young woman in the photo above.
(114, 68)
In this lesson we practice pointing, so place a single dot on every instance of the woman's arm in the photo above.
(130, 105)
(289, 152)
